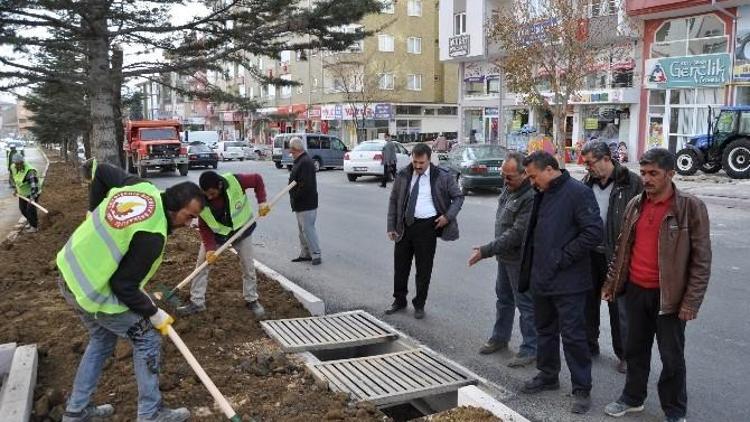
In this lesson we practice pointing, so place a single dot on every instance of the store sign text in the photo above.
(458, 46)
(687, 72)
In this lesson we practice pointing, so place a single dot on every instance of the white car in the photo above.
(366, 159)
(231, 150)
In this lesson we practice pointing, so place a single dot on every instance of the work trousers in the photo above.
(508, 299)
(244, 250)
(593, 309)
(308, 236)
(418, 243)
(104, 329)
(645, 323)
(563, 316)
(29, 212)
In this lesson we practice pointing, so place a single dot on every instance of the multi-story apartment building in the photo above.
(400, 85)
(488, 112)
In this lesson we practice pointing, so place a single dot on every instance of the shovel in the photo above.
(169, 295)
(41, 208)
(205, 379)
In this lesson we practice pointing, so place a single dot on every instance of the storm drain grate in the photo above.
(335, 331)
(393, 378)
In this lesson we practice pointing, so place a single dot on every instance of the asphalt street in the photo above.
(357, 273)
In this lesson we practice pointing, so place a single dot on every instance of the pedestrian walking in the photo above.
(613, 186)
(424, 204)
(511, 221)
(304, 199)
(662, 267)
(564, 228)
(227, 210)
(104, 268)
(389, 162)
(26, 184)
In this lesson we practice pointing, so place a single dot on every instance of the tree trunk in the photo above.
(558, 121)
(100, 86)
(64, 149)
(117, 101)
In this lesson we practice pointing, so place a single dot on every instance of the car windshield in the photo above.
(234, 145)
(369, 146)
(158, 134)
(483, 152)
(199, 149)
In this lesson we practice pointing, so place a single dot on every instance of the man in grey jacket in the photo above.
(424, 204)
(389, 161)
(513, 211)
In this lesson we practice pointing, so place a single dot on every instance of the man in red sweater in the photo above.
(228, 210)
(662, 265)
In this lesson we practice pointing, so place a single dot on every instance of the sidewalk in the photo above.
(9, 213)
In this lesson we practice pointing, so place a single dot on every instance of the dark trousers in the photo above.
(593, 306)
(28, 211)
(418, 242)
(644, 322)
(563, 316)
(389, 173)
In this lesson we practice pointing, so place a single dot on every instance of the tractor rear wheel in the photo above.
(688, 162)
(736, 159)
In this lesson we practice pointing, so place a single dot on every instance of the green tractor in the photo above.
(727, 145)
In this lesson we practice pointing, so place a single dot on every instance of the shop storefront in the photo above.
(686, 71)
(605, 115)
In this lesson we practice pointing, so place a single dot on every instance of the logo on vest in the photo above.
(127, 208)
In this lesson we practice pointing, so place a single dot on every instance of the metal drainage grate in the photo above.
(335, 331)
(393, 378)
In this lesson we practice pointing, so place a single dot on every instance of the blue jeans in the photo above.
(308, 236)
(508, 299)
(104, 330)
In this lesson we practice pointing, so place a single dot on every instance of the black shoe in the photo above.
(302, 259)
(418, 313)
(317, 261)
(395, 307)
(594, 349)
(539, 384)
(581, 402)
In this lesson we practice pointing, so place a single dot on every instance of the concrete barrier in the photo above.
(309, 301)
(6, 357)
(17, 394)
(474, 396)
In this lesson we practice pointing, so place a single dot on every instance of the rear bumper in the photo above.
(204, 162)
(472, 182)
(366, 168)
(163, 161)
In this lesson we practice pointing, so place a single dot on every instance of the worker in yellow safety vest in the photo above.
(25, 184)
(105, 266)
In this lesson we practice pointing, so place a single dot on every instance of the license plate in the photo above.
(204, 155)
(360, 168)
(493, 168)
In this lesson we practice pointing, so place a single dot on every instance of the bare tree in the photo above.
(551, 46)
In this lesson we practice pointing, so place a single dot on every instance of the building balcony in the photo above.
(654, 9)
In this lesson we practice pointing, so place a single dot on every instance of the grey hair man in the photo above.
(304, 200)
(613, 186)
(512, 218)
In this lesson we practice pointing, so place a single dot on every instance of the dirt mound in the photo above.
(258, 379)
(463, 414)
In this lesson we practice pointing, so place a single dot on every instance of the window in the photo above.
(313, 142)
(414, 8)
(260, 63)
(448, 111)
(414, 45)
(252, 92)
(285, 56)
(271, 91)
(387, 7)
(385, 43)
(602, 7)
(386, 81)
(286, 90)
(474, 88)
(414, 82)
(493, 85)
(690, 36)
(459, 23)
(337, 145)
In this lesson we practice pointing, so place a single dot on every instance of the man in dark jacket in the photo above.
(662, 265)
(424, 204)
(304, 199)
(389, 162)
(613, 186)
(512, 219)
(564, 228)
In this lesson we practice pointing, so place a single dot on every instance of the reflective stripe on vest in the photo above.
(94, 251)
(23, 188)
(240, 209)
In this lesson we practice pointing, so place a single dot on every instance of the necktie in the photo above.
(411, 206)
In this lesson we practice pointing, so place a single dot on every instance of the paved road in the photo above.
(9, 213)
(357, 273)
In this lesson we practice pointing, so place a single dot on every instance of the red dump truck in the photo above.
(153, 144)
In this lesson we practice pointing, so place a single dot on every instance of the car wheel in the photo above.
(352, 177)
(183, 169)
(688, 162)
(242, 159)
(317, 164)
(736, 159)
(460, 181)
(278, 164)
(215, 165)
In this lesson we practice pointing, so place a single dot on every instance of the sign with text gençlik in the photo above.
(688, 71)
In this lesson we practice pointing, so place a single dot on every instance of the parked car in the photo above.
(231, 150)
(326, 151)
(366, 159)
(208, 137)
(255, 152)
(199, 154)
(477, 166)
(280, 143)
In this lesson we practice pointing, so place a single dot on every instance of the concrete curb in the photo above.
(312, 303)
(473, 396)
(17, 394)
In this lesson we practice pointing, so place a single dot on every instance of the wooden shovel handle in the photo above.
(41, 208)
